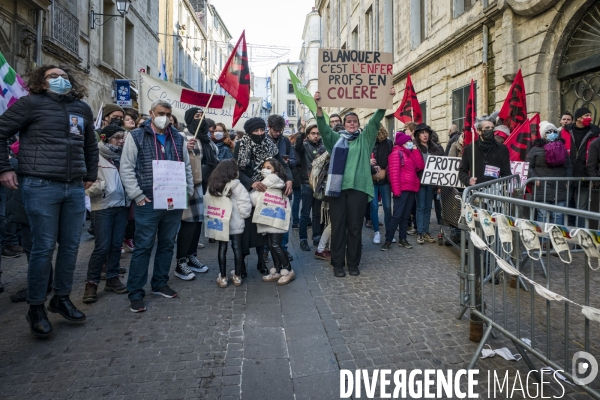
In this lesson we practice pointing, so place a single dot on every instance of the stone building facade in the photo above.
(36, 32)
(308, 71)
(445, 44)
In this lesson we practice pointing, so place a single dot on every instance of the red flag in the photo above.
(520, 140)
(514, 109)
(409, 109)
(235, 78)
(469, 125)
(201, 99)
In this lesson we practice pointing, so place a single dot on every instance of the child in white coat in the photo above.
(223, 182)
(274, 179)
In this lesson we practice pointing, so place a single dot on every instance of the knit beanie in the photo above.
(580, 112)
(402, 138)
(110, 108)
(110, 130)
(502, 131)
(253, 124)
(545, 127)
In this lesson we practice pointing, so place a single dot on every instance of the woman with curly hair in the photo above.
(58, 158)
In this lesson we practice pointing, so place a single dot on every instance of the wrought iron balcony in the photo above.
(65, 28)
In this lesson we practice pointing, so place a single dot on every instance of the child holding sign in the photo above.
(272, 217)
(223, 182)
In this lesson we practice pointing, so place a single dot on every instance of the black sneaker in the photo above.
(304, 245)
(339, 272)
(8, 253)
(195, 265)
(289, 256)
(404, 243)
(137, 305)
(386, 246)
(166, 291)
(262, 268)
(20, 296)
(183, 271)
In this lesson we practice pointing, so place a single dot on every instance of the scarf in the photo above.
(110, 152)
(249, 152)
(337, 165)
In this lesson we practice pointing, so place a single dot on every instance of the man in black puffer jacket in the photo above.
(57, 166)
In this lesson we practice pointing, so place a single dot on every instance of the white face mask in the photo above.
(264, 172)
(560, 244)
(409, 145)
(488, 227)
(161, 122)
(504, 232)
(503, 352)
(530, 239)
(218, 135)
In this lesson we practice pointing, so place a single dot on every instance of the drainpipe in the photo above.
(484, 68)
(376, 26)
(39, 37)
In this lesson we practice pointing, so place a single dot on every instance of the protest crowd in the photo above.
(158, 185)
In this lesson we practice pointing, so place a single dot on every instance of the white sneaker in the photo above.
(376, 238)
(182, 271)
(394, 240)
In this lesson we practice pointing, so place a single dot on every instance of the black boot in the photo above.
(63, 306)
(39, 325)
(353, 271)
(262, 268)
(339, 272)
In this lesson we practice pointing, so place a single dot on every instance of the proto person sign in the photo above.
(356, 79)
(442, 171)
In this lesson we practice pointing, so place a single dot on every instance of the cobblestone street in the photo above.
(257, 341)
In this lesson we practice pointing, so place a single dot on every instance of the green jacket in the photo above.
(357, 174)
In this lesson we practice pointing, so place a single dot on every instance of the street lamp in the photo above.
(122, 8)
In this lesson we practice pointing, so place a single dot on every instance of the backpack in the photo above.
(318, 175)
(556, 153)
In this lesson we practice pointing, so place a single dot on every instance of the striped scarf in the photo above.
(337, 165)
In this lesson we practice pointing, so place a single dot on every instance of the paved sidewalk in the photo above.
(257, 341)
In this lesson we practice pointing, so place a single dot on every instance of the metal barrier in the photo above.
(554, 329)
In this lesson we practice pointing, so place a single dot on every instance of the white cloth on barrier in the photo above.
(559, 243)
(485, 219)
(504, 352)
(586, 241)
(557, 374)
(529, 237)
(504, 232)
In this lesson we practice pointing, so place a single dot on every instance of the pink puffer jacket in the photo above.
(403, 165)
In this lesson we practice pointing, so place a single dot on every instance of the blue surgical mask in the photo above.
(552, 136)
(409, 145)
(59, 85)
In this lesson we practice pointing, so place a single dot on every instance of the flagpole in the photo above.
(204, 113)
(472, 152)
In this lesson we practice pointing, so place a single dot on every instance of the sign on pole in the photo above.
(442, 171)
(357, 79)
(123, 93)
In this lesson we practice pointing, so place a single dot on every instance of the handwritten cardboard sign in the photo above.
(442, 171)
(169, 185)
(520, 168)
(358, 79)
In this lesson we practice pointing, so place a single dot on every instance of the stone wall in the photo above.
(532, 37)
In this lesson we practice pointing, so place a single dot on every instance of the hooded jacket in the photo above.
(306, 152)
(48, 149)
(241, 208)
(538, 168)
(403, 166)
(271, 181)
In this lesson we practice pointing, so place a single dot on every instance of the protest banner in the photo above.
(442, 171)
(520, 168)
(152, 88)
(356, 79)
(169, 185)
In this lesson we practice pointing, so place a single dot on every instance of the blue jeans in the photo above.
(555, 218)
(424, 199)
(385, 192)
(55, 211)
(296, 197)
(109, 232)
(150, 223)
(309, 203)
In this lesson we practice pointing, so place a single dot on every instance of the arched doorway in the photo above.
(579, 72)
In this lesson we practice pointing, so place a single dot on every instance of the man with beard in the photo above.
(309, 146)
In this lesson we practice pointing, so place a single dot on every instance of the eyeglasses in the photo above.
(55, 75)
(118, 137)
